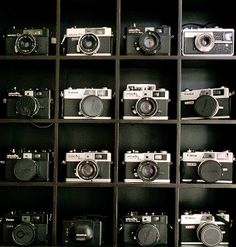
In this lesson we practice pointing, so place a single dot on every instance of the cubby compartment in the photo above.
(143, 138)
(76, 204)
(137, 202)
(25, 16)
(159, 13)
(21, 76)
(86, 137)
(80, 15)
(82, 76)
(161, 73)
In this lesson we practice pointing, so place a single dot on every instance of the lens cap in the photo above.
(25, 169)
(23, 234)
(27, 106)
(206, 106)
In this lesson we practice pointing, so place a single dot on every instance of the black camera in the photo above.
(91, 166)
(147, 167)
(206, 103)
(83, 231)
(27, 165)
(31, 103)
(205, 229)
(145, 230)
(27, 41)
(208, 41)
(207, 166)
(144, 101)
(148, 40)
(25, 228)
(82, 103)
(96, 41)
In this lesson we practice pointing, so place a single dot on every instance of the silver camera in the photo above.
(88, 41)
(82, 103)
(144, 101)
(207, 166)
(208, 41)
(205, 229)
(91, 166)
(147, 167)
(206, 103)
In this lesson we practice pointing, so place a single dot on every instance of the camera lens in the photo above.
(210, 171)
(205, 42)
(149, 42)
(148, 171)
(25, 169)
(206, 106)
(23, 234)
(209, 234)
(88, 43)
(146, 107)
(27, 106)
(87, 170)
(25, 44)
(147, 235)
(91, 106)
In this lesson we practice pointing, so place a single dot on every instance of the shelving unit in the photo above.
(58, 71)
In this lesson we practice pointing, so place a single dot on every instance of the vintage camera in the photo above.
(145, 230)
(208, 41)
(27, 41)
(83, 231)
(207, 166)
(144, 101)
(147, 167)
(32, 103)
(25, 228)
(206, 103)
(81, 103)
(205, 229)
(91, 166)
(96, 41)
(148, 40)
(27, 165)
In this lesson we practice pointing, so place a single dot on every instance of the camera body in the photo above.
(148, 40)
(83, 103)
(208, 41)
(27, 41)
(145, 230)
(83, 231)
(27, 165)
(91, 166)
(144, 101)
(206, 103)
(147, 167)
(204, 229)
(31, 103)
(207, 166)
(96, 41)
(25, 228)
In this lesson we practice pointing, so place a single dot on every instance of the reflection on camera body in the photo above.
(27, 165)
(31, 103)
(91, 166)
(27, 41)
(147, 167)
(25, 228)
(207, 166)
(206, 103)
(148, 40)
(96, 41)
(205, 229)
(144, 101)
(208, 41)
(82, 103)
(145, 230)
(83, 231)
